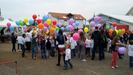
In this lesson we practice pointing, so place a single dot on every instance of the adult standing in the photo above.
(61, 46)
(82, 46)
(96, 36)
(13, 40)
(28, 42)
(22, 43)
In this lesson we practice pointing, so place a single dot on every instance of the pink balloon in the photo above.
(71, 28)
(45, 29)
(8, 24)
(80, 30)
(45, 24)
(76, 36)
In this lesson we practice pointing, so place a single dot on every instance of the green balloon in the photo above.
(21, 22)
(57, 28)
(107, 27)
(1, 28)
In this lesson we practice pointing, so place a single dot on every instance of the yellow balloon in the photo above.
(86, 29)
(116, 32)
(25, 20)
(48, 21)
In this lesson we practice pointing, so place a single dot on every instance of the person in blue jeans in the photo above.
(34, 46)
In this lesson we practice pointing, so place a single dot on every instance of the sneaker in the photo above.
(83, 60)
(113, 67)
(116, 66)
(57, 64)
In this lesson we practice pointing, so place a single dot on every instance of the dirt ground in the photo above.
(27, 66)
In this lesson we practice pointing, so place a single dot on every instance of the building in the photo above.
(120, 19)
(63, 17)
(130, 12)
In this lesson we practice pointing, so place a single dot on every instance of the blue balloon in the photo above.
(17, 22)
(62, 28)
(77, 23)
(11, 28)
(31, 21)
(45, 17)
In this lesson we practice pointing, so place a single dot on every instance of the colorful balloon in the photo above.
(86, 29)
(62, 28)
(17, 22)
(76, 36)
(31, 21)
(8, 24)
(21, 22)
(39, 21)
(122, 50)
(45, 17)
(34, 16)
(92, 23)
(57, 28)
(110, 30)
(45, 29)
(24, 27)
(11, 28)
(40, 26)
(54, 22)
(48, 21)
(45, 24)
(25, 20)
(51, 30)
(80, 30)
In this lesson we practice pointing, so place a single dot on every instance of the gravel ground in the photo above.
(27, 66)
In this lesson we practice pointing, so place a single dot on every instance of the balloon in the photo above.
(45, 24)
(21, 22)
(119, 31)
(34, 16)
(67, 28)
(77, 23)
(57, 28)
(71, 28)
(114, 23)
(80, 30)
(45, 29)
(45, 17)
(107, 27)
(25, 20)
(59, 25)
(97, 18)
(122, 50)
(39, 21)
(51, 30)
(62, 28)
(48, 21)
(8, 24)
(40, 26)
(86, 29)
(110, 30)
(92, 23)
(17, 22)
(54, 26)
(76, 36)
(31, 21)
(24, 27)
(71, 21)
(54, 22)
(123, 31)
(11, 28)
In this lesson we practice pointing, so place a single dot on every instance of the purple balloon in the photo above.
(45, 29)
(92, 23)
(24, 27)
(97, 19)
(71, 21)
(122, 50)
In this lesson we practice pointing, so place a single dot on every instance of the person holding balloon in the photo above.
(114, 46)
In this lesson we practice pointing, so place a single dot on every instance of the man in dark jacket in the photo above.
(13, 40)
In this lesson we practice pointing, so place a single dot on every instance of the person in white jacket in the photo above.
(130, 54)
(67, 62)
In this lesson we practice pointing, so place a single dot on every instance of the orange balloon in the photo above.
(110, 30)
(51, 30)
(123, 31)
(40, 26)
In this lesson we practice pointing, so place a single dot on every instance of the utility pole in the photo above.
(0, 11)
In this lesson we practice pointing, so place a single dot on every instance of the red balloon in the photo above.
(34, 16)
(114, 23)
(54, 22)
(39, 21)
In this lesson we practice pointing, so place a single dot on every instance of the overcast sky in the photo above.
(19, 9)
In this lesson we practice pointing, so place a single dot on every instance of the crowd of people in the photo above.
(65, 46)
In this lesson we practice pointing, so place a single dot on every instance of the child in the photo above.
(114, 46)
(130, 54)
(88, 45)
(67, 62)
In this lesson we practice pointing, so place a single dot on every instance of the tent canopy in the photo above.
(4, 23)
